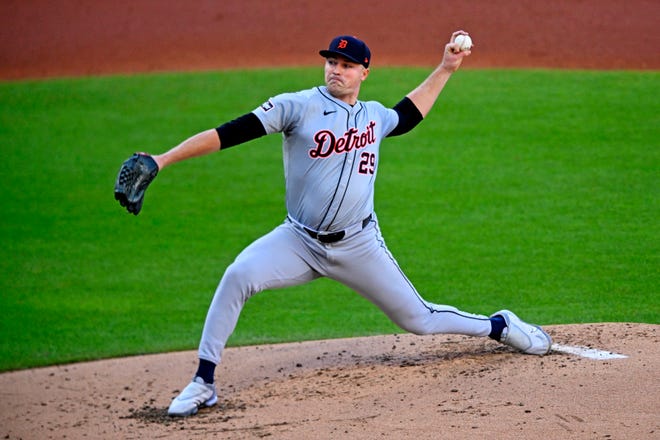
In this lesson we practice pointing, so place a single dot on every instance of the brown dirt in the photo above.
(390, 387)
(40, 38)
(396, 386)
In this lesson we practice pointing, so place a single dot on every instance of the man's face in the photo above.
(343, 78)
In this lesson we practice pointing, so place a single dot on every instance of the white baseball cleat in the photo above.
(196, 394)
(528, 338)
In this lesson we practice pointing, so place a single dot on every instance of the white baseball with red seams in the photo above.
(464, 41)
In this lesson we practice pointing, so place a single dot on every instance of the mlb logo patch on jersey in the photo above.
(267, 105)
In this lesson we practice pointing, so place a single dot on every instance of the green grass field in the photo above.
(532, 190)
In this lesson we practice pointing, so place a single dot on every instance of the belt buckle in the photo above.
(330, 238)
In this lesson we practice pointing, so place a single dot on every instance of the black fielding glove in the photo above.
(135, 175)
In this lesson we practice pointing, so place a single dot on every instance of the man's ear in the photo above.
(365, 73)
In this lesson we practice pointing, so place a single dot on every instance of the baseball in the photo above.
(464, 41)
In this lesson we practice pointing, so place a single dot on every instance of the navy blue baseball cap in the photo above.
(350, 48)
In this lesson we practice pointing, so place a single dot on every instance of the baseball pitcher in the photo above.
(331, 148)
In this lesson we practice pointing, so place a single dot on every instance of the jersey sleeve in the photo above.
(389, 118)
(281, 113)
(409, 117)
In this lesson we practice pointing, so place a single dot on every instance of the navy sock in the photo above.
(206, 370)
(497, 324)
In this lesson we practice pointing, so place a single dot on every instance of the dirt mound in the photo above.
(395, 386)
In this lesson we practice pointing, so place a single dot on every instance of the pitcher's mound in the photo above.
(382, 387)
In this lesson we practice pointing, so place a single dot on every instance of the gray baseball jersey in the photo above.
(330, 152)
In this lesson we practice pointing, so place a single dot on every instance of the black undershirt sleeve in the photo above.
(242, 129)
(409, 117)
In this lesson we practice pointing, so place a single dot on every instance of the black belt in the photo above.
(333, 237)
